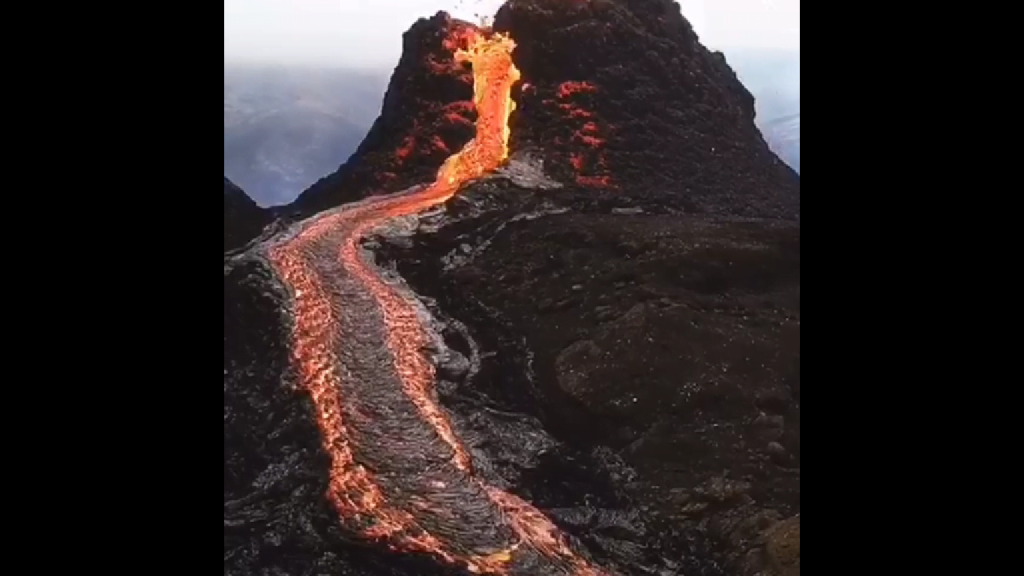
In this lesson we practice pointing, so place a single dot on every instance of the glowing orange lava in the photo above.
(588, 158)
(318, 331)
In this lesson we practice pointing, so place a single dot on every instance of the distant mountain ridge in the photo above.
(286, 127)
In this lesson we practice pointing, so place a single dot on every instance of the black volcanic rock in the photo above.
(427, 115)
(243, 218)
(663, 115)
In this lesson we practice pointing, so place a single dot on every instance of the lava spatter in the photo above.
(587, 159)
(504, 533)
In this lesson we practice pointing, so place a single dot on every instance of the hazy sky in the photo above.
(368, 33)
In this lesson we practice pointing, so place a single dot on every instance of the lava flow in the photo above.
(399, 472)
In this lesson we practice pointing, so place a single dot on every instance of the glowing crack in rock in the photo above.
(445, 508)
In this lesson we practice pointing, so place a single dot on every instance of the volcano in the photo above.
(545, 320)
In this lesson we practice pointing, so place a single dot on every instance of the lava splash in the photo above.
(399, 472)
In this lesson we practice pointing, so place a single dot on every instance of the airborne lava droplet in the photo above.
(324, 257)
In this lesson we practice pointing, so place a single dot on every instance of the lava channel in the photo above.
(399, 472)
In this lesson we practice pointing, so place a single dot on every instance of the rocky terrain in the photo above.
(629, 290)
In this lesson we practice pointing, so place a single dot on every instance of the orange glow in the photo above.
(591, 168)
(318, 333)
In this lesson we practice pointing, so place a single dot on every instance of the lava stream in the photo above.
(318, 333)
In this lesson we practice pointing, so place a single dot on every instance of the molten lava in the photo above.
(333, 286)
(493, 77)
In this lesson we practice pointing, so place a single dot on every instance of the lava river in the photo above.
(399, 473)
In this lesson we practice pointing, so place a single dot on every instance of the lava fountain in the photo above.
(398, 470)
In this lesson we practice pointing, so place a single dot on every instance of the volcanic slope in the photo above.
(427, 115)
(630, 331)
(614, 93)
(243, 218)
